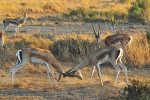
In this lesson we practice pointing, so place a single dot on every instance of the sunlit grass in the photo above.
(36, 8)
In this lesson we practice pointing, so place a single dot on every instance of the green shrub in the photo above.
(140, 11)
(135, 13)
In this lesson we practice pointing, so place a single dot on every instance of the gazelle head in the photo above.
(72, 74)
(24, 15)
(97, 35)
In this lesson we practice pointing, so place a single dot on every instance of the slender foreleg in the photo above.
(93, 69)
(99, 73)
(49, 71)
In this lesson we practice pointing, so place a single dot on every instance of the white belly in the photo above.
(10, 24)
(35, 60)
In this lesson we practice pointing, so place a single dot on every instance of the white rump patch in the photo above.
(18, 55)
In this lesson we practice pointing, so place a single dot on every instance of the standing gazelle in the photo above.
(2, 38)
(99, 56)
(14, 22)
(116, 39)
(36, 55)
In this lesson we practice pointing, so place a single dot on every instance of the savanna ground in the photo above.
(45, 29)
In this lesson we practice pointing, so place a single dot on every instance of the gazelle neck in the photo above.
(24, 19)
(58, 67)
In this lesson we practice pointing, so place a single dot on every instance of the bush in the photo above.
(135, 13)
(140, 11)
(124, 1)
(138, 91)
(90, 15)
(69, 49)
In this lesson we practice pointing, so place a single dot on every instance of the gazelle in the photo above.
(36, 55)
(99, 56)
(116, 39)
(2, 38)
(14, 22)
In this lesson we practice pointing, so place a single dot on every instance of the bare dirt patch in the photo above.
(37, 87)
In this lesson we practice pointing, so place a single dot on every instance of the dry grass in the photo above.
(31, 81)
(36, 8)
(138, 55)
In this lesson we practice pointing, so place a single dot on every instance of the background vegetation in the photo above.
(74, 47)
(78, 10)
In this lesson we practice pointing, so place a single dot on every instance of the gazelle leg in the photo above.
(80, 74)
(13, 75)
(59, 77)
(124, 69)
(99, 73)
(14, 69)
(93, 69)
(49, 71)
(6, 81)
(118, 72)
(16, 30)
(4, 28)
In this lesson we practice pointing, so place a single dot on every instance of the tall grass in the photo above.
(91, 15)
(37, 8)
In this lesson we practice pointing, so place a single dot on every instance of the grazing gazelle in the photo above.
(14, 22)
(2, 38)
(36, 55)
(99, 56)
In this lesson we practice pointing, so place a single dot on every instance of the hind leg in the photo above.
(93, 69)
(99, 73)
(124, 69)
